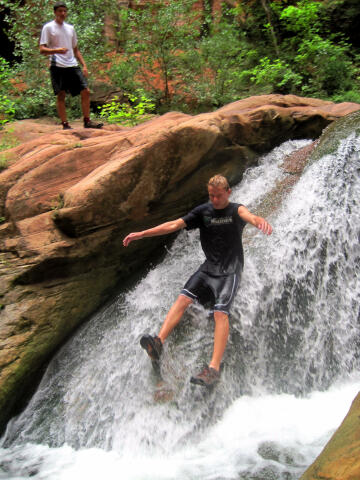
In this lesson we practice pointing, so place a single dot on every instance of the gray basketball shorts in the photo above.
(216, 291)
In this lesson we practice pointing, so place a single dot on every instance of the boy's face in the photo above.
(218, 196)
(60, 14)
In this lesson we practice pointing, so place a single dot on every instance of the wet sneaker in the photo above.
(66, 126)
(152, 345)
(91, 124)
(206, 378)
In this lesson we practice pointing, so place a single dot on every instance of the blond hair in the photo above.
(219, 181)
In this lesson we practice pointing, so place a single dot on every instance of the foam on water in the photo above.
(269, 433)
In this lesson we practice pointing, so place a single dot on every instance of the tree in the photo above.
(159, 35)
(212, 77)
(265, 5)
(324, 61)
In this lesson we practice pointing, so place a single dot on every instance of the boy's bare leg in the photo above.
(174, 316)
(85, 102)
(61, 108)
(221, 335)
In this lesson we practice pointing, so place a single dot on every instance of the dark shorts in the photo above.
(216, 291)
(70, 80)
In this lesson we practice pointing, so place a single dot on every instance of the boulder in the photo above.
(69, 197)
(340, 459)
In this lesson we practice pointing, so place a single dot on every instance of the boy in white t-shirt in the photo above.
(58, 40)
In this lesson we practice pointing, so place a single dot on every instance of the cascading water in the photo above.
(290, 369)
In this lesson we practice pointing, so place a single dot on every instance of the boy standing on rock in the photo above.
(58, 39)
(221, 224)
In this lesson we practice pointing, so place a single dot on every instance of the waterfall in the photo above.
(290, 369)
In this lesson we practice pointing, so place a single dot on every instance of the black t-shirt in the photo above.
(220, 236)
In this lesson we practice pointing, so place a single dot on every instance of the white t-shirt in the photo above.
(56, 35)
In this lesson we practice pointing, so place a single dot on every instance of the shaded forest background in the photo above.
(156, 56)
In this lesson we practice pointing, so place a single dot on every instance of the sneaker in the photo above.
(152, 345)
(207, 377)
(91, 124)
(66, 126)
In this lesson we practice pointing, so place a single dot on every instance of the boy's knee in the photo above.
(85, 93)
(184, 301)
(61, 96)
(221, 316)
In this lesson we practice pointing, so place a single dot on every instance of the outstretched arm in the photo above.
(162, 229)
(258, 222)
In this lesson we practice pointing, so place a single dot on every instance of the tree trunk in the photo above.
(267, 10)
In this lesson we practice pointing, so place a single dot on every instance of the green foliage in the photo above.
(178, 58)
(302, 18)
(348, 96)
(7, 110)
(324, 62)
(224, 64)
(36, 102)
(88, 19)
(327, 67)
(275, 76)
(4, 161)
(5, 74)
(8, 140)
(217, 62)
(128, 114)
(121, 25)
(123, 72)
(58, 203)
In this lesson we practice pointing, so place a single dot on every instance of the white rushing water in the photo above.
(290, 372)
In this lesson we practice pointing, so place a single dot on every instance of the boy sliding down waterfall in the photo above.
(221, 224)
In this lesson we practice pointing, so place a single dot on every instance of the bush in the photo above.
(129, 114)
(35, 102)
(123, 72)
(327, 67)
(7, 106)
(275, 76)
(349, 96)
(211, 73)
(302, 18)
(7, 109)
(5, 75)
